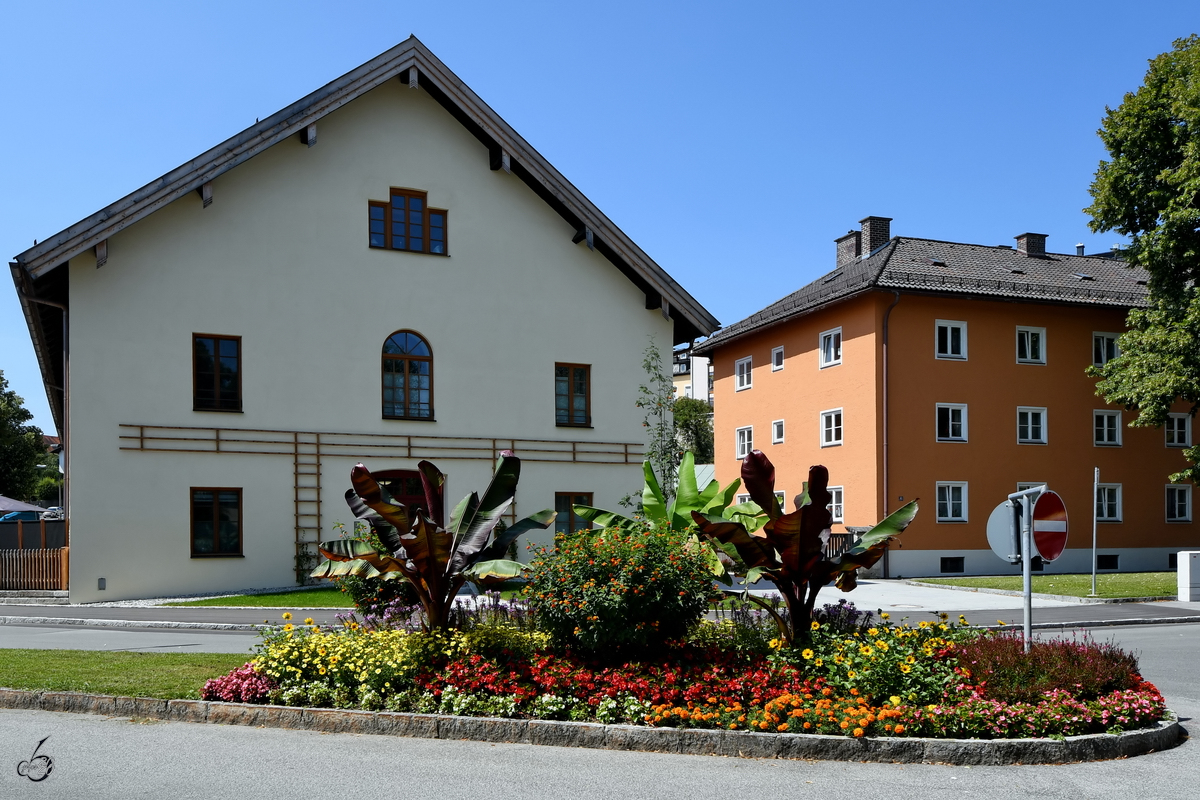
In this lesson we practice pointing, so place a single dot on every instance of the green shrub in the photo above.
(999, 665)
(619, 589)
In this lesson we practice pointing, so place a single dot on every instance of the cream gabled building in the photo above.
(383, 271)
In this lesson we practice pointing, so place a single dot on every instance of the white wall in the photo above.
(281, 259)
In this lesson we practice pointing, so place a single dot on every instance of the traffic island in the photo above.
(742, 744)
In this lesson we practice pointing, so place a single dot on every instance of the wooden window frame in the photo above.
(217, 339)
(737, 441)
(1102, 338)
(426, 212)
(587, 396)
(1044, 420)
(838, 419)
(216, 491)
(949, 486)
(585, 525)
(1171, 429)
(834, 337)
(740, 385)
(385, 357)
(1185, 491)
(1028, 331)
(949, 324)
(950, 408)
(1118, 496)
(1106, 414)
(837, 504)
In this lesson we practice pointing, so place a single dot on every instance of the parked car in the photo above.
(21, 516)
(53, 512)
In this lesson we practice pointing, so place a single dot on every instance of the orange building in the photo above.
(954, 373)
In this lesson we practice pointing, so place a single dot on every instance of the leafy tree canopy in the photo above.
(693, 422)
(1150, 191)
(21, 445)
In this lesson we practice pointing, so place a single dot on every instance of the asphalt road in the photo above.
(101, 757)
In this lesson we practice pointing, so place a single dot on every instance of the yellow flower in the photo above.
(308, 620)
(885, 615)
(873, 632)
(289, 627)
(808, 654)
(851, 674)
(815, 625)
(905, 668)
(924, 624)
(287, 615)
(819, 663)
(866, 650)
(895, 700)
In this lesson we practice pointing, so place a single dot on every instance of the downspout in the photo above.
(66, 412)
(886, 316)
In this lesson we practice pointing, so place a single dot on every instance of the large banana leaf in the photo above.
(499, 546)
(687, 494)
(433, 482)
(758, 476)
(373, 496)
(605, 519)
(495, 501)
(654, 504)
(499, 569)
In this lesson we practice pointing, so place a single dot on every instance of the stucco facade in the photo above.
(986, 383)
(280, 259)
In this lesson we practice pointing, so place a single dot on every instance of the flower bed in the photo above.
(855, 678)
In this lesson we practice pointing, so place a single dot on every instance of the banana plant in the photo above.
(677, 515)
(789, 549)
(436, 559)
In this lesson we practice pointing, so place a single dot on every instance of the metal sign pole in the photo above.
(1027, 565)
(1095, 516)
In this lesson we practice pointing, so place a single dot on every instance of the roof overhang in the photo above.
(691, 319)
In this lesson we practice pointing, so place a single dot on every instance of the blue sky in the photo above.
(733, 142)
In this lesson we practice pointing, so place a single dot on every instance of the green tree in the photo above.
(1150, 191)
(693, 424)
(656, 397)
(21, 446)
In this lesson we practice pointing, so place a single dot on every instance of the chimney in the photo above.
(1031, 244)
(849, 248)
(876, 232)
(1079, 249)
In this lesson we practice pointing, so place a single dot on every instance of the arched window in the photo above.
(407, 377)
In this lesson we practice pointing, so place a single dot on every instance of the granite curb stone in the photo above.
(745, 744)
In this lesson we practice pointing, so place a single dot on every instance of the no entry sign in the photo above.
(1049, 526)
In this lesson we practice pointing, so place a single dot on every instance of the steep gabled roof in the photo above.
(691, 319)
(972, 270)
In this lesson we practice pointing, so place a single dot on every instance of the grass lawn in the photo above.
(1128, 584)
(171, 676)
(323, 597)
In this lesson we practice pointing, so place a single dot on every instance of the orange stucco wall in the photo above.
(992, 385)
(798, 394)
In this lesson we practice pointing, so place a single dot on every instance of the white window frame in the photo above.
(1108, 415)
(741, 498)
(1105, 488)
(746, 442)
(837, 503)
(1179, 490)
(777, 431)
(949, 486)
(1045, 432)
(1026, 330)
(838, 428)
(834, 335)
(951, 407)
(776, 359)
(1172, 429)
(949, 324)
(1105, 359)
(743, 373)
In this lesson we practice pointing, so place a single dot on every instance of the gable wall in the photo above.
(281, 259)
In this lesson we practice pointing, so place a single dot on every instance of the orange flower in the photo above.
(858, 731)
(898, 729)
